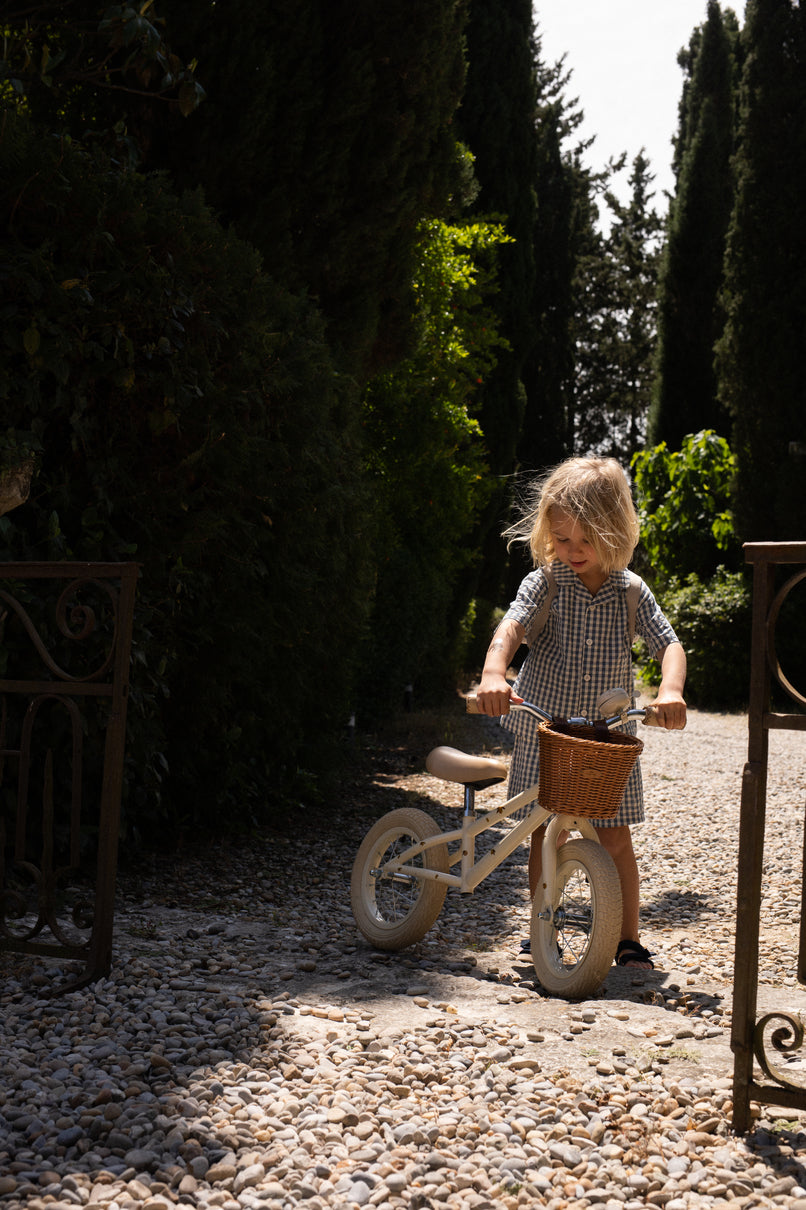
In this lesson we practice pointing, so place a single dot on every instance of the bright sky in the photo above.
(623, 58)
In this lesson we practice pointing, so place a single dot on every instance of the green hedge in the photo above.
(187, 415)
(712, 619)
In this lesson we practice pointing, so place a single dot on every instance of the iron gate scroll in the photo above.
(65, 644)
(782, 1031)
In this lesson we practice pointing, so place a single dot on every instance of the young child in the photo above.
(582, 521)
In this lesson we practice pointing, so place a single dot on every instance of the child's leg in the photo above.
(618, 842)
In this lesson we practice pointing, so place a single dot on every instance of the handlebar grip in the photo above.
(472, 705)
(650, 718)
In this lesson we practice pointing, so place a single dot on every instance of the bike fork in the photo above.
(556, 825)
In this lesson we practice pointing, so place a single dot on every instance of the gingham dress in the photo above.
(583, 649)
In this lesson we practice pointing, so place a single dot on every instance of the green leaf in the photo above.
(31, 340)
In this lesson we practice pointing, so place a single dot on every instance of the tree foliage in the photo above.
(561, 235)
(270, 353)
(762, 353)
(84, 68)
(497, 122)
(188, 415)
(428, 470)
(615, 325)
(193, 414)
(326, 138)
(690, 319)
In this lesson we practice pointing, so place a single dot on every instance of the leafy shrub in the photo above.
(712, 619)
(684, 507)
(690, 554)
(188, 416)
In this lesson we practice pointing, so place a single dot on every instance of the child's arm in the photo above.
(495, 692)
(671, 708)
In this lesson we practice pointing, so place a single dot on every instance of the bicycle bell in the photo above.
(612, 701)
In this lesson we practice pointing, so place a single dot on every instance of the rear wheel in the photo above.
(394, 910)
(574, 949)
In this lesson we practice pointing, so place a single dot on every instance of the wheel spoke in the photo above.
(395, 894)
(573, 919)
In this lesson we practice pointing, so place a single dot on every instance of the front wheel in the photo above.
(574, 949)
(394, 910)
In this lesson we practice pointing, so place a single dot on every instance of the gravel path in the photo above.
(250, 1050)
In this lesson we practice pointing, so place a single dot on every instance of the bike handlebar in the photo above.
(645, 713)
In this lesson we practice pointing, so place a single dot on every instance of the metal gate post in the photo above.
(43, 864)
(748, 1036)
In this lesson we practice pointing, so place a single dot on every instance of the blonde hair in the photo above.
(593, 492)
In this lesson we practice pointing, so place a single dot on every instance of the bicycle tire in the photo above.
(573, 951)
(395, 912)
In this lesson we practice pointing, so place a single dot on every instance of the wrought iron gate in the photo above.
(65, 643)
(781, 1030)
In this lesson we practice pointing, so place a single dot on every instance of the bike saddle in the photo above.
(478, 772)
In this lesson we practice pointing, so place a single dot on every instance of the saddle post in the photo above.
(468, 840)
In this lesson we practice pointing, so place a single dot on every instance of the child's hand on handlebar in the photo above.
(494, 695)
(670, 712)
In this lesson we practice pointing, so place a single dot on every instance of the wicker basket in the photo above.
(584, 770)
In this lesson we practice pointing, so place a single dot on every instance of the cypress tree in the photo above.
(496, 121)
(689, 318)
(515, 120)
(615, 331)
(325, 138)
(563, 229)
(762, 354)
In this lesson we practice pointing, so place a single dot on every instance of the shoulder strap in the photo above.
(542, 617)
(633, 596)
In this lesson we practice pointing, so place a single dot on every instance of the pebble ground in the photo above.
(249, 1050)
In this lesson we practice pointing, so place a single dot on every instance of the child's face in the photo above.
(573, 548)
